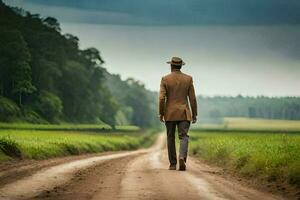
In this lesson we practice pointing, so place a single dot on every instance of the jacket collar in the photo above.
(176, 70)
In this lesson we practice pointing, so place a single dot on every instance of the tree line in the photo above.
(46, 78)
(214, 108)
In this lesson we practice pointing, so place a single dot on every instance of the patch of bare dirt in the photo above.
(11, 171)
(104, 178)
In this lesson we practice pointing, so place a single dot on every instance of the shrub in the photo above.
(10, 147)
(8, 109)
(49, 106)
(32, 117)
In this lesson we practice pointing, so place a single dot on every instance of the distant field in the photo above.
(37, 144)
(272, 157)
(249, 124)
(66, 127)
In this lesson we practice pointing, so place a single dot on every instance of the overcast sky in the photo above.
(231, 47)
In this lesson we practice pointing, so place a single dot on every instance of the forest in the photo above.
(213, 109)
(46, 78)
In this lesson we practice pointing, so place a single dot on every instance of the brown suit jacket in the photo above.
(175, 90)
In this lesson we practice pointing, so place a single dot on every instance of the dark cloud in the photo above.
(184, 12)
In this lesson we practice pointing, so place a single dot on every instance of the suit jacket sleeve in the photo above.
(192, 99)
(162, 97)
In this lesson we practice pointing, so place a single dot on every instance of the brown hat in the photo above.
(176, 61)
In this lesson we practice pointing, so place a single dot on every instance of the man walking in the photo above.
(176, 90)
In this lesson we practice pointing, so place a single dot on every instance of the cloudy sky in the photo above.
(231, 47)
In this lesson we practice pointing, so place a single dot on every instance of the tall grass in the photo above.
(273, 157)
(31, 144)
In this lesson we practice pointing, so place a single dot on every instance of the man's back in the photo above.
(175, 90)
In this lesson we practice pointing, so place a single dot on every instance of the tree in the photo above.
(137, 98)
(109, 110)
(49, 106)
(252, 112)
(92, 55)
(15, 67)
(8, 109)
(22, 80)
(73, 90)
(52, 23)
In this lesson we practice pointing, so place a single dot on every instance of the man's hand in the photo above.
(194, 120)
(161, 118)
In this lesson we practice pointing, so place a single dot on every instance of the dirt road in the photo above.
(140, 174)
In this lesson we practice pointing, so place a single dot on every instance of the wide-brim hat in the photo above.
(176, 61)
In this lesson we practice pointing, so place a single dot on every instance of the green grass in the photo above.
(67, 127)
(36, 144)
(252, 125)
(272, 157)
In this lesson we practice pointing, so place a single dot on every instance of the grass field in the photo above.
(252, 125)
(272, 156)
(67, 127)
(37, 144)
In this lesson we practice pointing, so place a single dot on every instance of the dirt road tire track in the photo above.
(17, 169)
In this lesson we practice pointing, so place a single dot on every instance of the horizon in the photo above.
(251, 57)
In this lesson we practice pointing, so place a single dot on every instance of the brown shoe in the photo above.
(182, 165)
(172, 167)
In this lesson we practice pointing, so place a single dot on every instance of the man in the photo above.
(176, 90)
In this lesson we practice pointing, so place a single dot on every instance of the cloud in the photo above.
(179, 12)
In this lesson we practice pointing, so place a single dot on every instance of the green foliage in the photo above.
(14, 63)
(109, 111)
(30, 144)
(137, 98)
(52, 23)
(51, 78)
(69, 127)
(273, 157)
(10, 148)
(22, 80)
(294, 173)
(49, 106)
(8, 109)
(31, 116)
(124, 115)
(138, 104)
